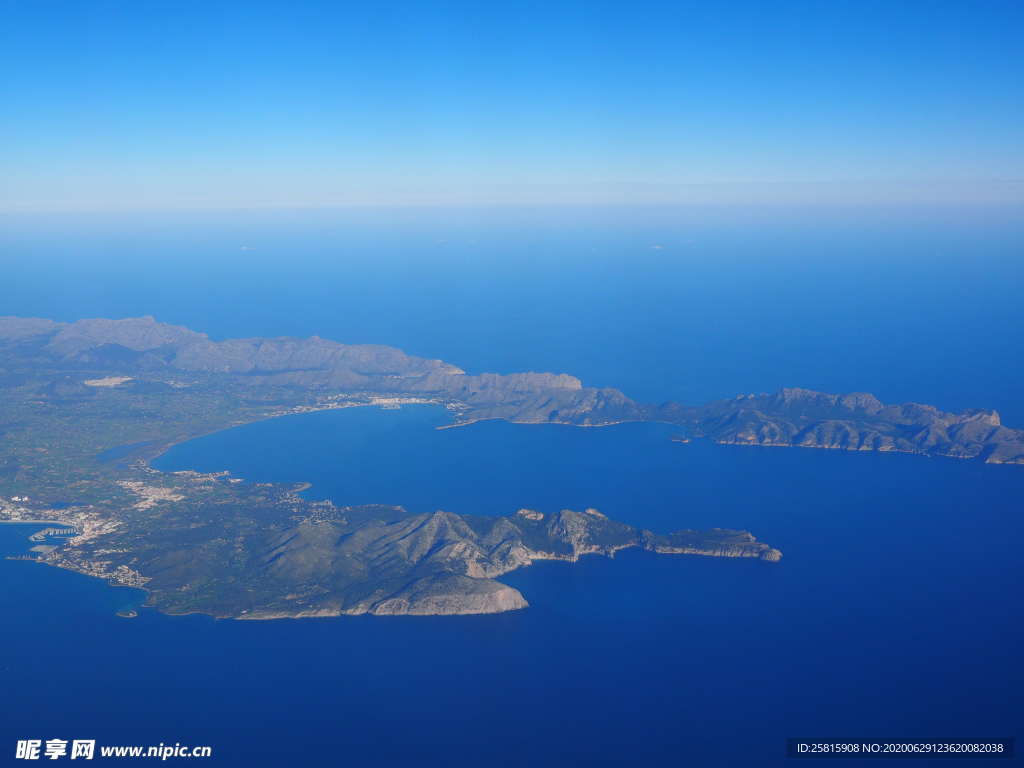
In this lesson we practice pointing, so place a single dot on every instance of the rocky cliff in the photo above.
(379, 560)
(851, 422)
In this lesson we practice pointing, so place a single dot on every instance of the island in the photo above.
(87, 405)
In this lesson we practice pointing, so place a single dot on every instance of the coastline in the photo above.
(158, 448)
(892, 450)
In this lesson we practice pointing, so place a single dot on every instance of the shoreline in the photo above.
(148, 454)
(895, 451)
(51, 521)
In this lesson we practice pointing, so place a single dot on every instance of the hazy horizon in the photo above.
(121, 107)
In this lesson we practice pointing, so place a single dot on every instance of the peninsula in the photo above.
(86, 405)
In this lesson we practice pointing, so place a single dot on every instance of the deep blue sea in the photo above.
(895, 612)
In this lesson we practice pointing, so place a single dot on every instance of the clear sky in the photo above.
(121, 105)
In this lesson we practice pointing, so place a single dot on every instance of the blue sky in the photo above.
(125, 105)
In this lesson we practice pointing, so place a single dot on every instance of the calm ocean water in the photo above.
(894, 613)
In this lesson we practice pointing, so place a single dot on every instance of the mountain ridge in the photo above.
(790, 417)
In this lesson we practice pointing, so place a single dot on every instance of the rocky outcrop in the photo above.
(439, 596)
(717, 542)
(447, 596)
(851, 422)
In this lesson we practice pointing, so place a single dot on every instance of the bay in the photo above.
(892, 614)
